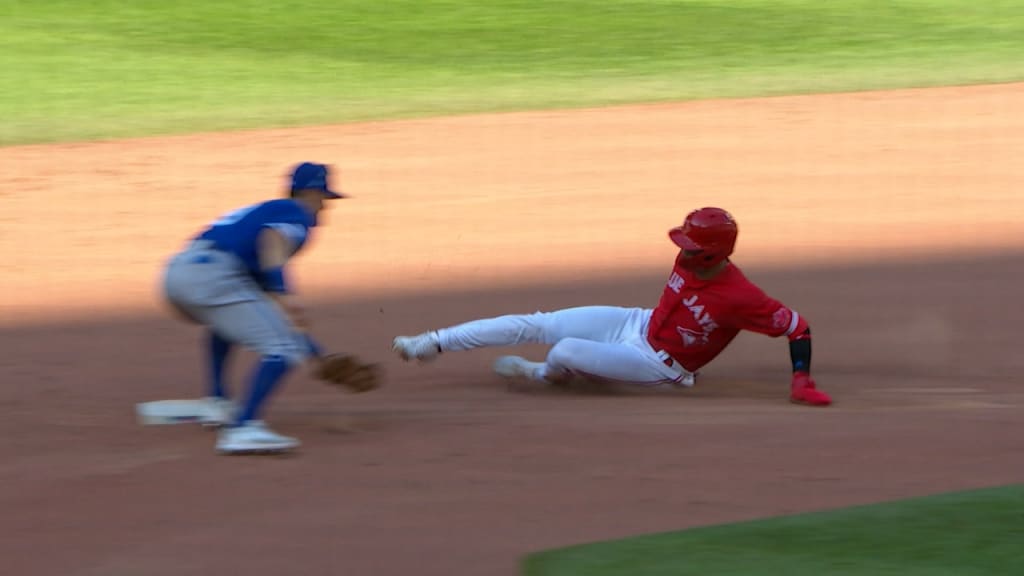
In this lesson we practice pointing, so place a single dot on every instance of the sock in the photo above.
(268, 374)
(219, 349)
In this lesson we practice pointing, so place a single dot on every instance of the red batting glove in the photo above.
(804, 391)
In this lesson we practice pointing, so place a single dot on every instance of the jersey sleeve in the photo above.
(291, 222)
(763, 314)
(296, 233)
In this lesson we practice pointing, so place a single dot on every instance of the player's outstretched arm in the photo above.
(274, 251)
(768, 316)
(803, 389)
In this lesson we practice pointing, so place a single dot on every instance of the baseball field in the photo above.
(514, 156)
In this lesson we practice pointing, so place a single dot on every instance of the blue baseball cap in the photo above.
(313, 176)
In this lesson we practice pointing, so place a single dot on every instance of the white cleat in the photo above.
(518, 367)
(215, 412)
(253, 437)
(423, 347)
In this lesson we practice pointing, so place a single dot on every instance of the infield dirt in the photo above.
(891, 220)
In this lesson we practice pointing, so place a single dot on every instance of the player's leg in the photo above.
(259, 325)
(191, 280)
(598, 323)
(624, 362)
(210, 288)
(196, 281)
(218, 350)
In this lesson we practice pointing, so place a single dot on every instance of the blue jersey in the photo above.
(238, 231)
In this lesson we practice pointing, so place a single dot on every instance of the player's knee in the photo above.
(296, 359)
(292, 353)
(565, 353)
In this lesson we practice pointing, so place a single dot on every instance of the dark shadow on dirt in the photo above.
(446, 464)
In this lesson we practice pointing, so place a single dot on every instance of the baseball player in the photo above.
(231, 278)
(706, 302)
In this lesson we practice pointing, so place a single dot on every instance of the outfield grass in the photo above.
(979, 532)
(77, 69)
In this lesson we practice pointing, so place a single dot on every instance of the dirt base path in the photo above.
(915, 197)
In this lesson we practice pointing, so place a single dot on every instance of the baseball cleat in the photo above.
(253, 437)
(518, 367)
(423, 347)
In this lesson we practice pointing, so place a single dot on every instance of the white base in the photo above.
(168, 412)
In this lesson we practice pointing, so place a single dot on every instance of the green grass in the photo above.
(81, 69)
(979, 532)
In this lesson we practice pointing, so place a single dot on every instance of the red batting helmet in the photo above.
(710, 233)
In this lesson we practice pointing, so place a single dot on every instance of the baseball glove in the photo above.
(348, 371)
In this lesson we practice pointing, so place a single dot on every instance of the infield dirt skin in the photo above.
(890, 220)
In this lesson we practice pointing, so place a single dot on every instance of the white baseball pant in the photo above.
(605, 342)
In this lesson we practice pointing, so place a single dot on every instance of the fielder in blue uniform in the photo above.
(232, 279)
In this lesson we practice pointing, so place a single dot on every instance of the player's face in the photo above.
(313, 199)
(688, 259)
(687, 255)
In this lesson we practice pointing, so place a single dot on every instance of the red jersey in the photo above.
(696, 319)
